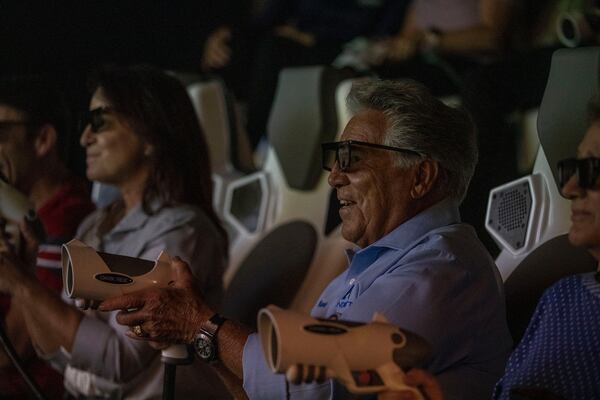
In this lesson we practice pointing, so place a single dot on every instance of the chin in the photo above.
(584, 238)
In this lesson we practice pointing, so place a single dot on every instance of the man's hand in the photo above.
(419, 379)
(217, 52)
(163, 316)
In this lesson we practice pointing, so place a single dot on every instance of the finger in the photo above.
(158, 345)
(124, 302)
(132, 335)
(425, 381)
(130, 318)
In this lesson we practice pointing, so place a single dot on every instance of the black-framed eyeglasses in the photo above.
(587, 171)
(342, 152)
(95, 118)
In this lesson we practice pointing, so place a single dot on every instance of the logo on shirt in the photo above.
(345, 301)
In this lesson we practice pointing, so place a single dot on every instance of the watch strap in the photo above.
(213, 324)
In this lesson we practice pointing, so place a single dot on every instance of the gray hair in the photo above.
(420, 122)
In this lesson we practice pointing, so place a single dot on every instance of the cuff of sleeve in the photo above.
(259, 381)
(90, 342)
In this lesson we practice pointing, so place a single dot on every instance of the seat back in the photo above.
(548, 263)
(282, 217)
(528, 217)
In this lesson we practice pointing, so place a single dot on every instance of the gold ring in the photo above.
(137, 330)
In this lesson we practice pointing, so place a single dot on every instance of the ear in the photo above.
(425, 177)
(46, 139)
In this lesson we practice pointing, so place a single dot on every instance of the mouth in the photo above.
(346, 203)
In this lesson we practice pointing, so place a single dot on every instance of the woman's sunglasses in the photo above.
(586, 170)
(95, 118)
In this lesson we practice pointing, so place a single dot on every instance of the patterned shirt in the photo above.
(560, 351)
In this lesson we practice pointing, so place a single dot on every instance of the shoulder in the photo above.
(453, 245)
(180, 217)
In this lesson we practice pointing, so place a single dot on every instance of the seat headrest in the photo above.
(302, 117)
(572, 83)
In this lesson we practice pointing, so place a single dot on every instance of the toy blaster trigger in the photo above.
(366, 358)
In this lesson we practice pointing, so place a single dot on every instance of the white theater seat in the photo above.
(286, 243)
(528, 217)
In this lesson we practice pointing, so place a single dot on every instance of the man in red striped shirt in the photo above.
(33, 134)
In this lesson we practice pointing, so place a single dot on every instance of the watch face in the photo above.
(204, 347)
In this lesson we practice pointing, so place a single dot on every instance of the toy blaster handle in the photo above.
(366, 358)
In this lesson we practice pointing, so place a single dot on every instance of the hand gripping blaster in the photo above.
(94, 276)
(14, 207)
(366, 358)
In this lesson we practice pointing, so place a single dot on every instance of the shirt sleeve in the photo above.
(261, 383)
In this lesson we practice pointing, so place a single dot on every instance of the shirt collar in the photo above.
(440, 214)
(136, 218)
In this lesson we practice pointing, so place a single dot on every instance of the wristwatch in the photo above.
(205, 342)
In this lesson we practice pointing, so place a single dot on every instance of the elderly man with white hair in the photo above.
(400, 172)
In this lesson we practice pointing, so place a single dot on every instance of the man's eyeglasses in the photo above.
(95, 118)
(342, 152)
(587, 171)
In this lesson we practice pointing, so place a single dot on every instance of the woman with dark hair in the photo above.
(143, 137)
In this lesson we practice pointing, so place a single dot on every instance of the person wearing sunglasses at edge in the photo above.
(143, 137)
(557, 358)
(401, 170)
(34, 133)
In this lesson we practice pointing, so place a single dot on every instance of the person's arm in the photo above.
(16, 330)
(485, 36)
(51, 323)
(175, 315)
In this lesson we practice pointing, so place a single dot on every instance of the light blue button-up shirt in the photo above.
(430, 275)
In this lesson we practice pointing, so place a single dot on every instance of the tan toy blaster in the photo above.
(366, 358)
(94, 276)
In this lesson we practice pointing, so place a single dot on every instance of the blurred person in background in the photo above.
(441, 40)
(34, 137)
(143, 137)
(291, 33)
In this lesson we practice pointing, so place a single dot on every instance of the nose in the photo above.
(86, 137)
(337, 178)
(571, 189)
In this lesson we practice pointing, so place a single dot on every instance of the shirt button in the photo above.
(351, 281)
